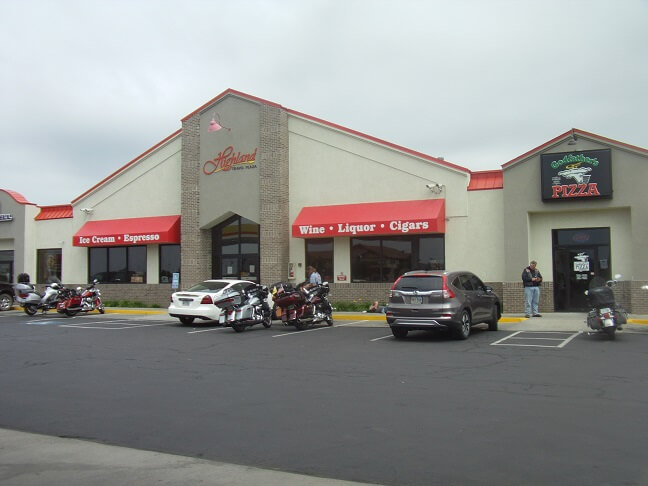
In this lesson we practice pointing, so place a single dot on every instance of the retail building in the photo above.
(249, 189)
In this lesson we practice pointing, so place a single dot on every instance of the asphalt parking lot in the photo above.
(524, 405)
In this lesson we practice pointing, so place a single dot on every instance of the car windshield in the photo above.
(209, 286)
(420, 282)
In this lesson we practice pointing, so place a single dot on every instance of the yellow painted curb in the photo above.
(637, 321)
(135, 311)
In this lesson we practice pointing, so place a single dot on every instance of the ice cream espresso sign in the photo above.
(576, 175)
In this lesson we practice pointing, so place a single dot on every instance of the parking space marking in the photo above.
(520, 336)
(315, 329)
(208, 330)
(117, 324)
(384, 337)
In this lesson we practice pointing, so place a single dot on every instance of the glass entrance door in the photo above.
(578, 255)
(235, 249)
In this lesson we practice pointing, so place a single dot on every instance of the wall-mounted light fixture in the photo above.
(435, 187)
(572, 140)
(215, 126)
(86, 210)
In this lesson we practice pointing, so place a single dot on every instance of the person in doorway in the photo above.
(314, 278)
(531, 279)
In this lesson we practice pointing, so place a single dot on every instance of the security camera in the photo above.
(86, 210)
(429, 186)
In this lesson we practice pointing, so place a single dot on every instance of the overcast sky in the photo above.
(86, 86)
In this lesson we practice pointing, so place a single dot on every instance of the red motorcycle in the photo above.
(82, 300)
(303, 307)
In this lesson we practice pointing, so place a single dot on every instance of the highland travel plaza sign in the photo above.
(569, 176)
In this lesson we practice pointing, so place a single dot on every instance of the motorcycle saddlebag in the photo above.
(286, 300)
(601, 297)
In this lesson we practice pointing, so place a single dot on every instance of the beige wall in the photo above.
(328, 166)
(18, 234)
(149, 187)
(529, 220)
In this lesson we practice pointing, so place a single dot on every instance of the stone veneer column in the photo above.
(274, 197)
(195, 250)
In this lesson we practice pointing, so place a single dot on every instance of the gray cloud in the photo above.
(86, 86)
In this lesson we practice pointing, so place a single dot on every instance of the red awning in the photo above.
(132, 231)
(381, 218)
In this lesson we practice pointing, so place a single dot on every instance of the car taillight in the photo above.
(396, 282)
(207, 300)
(447, 293)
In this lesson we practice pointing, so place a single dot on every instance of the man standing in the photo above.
(314, 278)
(531, 279)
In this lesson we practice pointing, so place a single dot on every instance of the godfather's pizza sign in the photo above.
(576, 175)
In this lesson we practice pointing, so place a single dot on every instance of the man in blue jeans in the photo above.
(531, 279)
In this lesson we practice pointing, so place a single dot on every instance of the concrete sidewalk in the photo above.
(38, 460)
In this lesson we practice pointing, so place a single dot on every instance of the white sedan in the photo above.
(198, 301)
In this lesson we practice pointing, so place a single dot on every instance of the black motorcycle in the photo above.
(605, 316)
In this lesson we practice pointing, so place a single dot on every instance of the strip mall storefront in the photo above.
(250, 189)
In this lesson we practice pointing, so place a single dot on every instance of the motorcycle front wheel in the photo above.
(267, 320)
(30, 309)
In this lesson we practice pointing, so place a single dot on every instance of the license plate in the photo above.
(416, 300)
(186, 302)
(606, 310)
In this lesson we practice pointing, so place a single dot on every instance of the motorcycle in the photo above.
(254, 309)
(228, 303)
(605, 316)
(303, 307)
(31, 301)
(82, 300)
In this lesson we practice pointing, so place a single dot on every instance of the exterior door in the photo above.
(578, 256)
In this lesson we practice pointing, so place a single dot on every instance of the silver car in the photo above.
(451, 300)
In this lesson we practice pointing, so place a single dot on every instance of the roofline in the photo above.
(380, 141)
(121, 169)
(335, 126)
(569, 133)
(19, 198)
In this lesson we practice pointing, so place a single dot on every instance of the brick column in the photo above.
(195, 251)
(274, 197)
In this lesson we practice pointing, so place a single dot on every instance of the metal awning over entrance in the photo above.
(153, 230)
(364, 219)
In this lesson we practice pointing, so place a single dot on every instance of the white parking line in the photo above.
(384, 337)
(519, 336)
(315, 329)
(208, 330)
(123, 325)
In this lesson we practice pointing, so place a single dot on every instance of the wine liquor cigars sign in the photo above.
(576, 175)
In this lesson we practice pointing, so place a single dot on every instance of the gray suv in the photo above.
(441, 300)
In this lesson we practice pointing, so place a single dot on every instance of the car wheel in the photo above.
(492, 323)
(399, 332)
(6, 301)
(463, 330)
(186, 320)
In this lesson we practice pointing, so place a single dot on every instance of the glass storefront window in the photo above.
(6, 265)
(319, 254)
(117, 264)
(169, 262)
(384, 259)
(48, 266)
